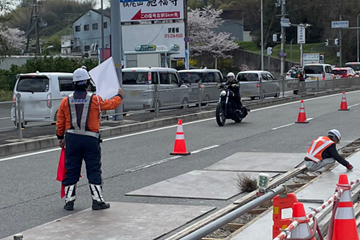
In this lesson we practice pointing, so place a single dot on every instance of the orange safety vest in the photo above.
(317, 147)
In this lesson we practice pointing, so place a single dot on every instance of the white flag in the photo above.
(105, 78)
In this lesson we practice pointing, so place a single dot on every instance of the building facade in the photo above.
(87, 34)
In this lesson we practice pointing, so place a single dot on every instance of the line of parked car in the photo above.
(41, 92)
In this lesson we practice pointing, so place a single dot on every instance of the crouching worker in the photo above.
(78, 124)
(322, 153)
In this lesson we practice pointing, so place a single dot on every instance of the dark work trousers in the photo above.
(79, 147)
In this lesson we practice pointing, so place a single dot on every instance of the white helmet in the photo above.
(231, 74)
(80, 74)
(335, 133)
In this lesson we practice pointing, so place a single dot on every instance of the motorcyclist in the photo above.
(234, 86)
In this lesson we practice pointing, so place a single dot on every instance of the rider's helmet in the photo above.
(230, 74)
(335, 133)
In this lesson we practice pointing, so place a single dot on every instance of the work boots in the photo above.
(70, 195)
(98, 202)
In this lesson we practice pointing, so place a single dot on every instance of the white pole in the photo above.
(301, 55)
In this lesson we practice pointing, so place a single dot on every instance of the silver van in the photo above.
(139, 83)
(255, 83)
(41, 94)
(208, 78)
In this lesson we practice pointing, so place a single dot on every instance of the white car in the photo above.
(254, 84)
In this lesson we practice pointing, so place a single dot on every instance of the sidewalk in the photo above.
(322, 189)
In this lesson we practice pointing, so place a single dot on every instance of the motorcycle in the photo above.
(225, 109)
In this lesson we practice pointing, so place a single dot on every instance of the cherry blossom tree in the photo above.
(7, 6)
(12, 40)
(203, 39)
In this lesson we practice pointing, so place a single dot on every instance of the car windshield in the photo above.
(248, 77)
(338, 71)
(313, 69)
(356, 67)
(33, 84)
(135, 77)
(191, 77)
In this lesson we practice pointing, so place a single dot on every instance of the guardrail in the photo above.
(182, 97)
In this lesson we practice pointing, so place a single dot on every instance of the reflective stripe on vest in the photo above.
(84, 116)
(317, 148)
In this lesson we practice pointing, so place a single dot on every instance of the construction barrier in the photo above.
(342, 224)
(281, 202)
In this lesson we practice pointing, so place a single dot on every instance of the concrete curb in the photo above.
(45, 142)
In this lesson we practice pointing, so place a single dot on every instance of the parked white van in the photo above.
(139, 83)
(318, 72)
(41, 94)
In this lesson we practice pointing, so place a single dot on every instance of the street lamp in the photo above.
(357, 36)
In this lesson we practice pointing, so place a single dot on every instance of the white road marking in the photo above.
(3, 118)
(30, 154)
(354, 105)
(289, 124)
(137, 168)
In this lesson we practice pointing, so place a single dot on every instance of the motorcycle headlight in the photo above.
(223, 93)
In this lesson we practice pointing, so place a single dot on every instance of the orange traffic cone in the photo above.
(302, 115)
(303, 229)
(343, 105)
(344, 226)
(180, 146)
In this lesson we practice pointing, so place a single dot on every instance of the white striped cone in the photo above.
(302, 230)
(344, 219)
(180, 146)
(343, 105)
(302, 115)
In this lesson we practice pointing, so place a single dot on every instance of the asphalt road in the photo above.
(30, 193)
(7, 127)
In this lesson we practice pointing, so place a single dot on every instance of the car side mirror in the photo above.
(181, 82)
(224, 79)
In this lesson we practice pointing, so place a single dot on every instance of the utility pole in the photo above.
(340, 58)
(116, 50)
(283, 40)
(262, 33)
(102, 32)
(37, 28)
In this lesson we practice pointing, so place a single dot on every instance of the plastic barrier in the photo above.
(337, 229)
(280, 203)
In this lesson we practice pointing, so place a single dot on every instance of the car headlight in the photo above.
(223, 93)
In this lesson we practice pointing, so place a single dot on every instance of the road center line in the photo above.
(144, 166)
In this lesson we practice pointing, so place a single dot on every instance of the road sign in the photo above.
(285, 22)
(301, 34)
(155, 15)
(339, 24)
(186, 39)
(269, 50)
(151, 10)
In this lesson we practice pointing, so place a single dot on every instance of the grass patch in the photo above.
(293, 51)
(5, 95)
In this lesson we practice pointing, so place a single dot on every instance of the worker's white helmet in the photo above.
(335, 133)
(231, 74)
(80, 74)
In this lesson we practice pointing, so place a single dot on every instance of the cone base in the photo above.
(344, 109)
(183, 154)
(302, 122)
